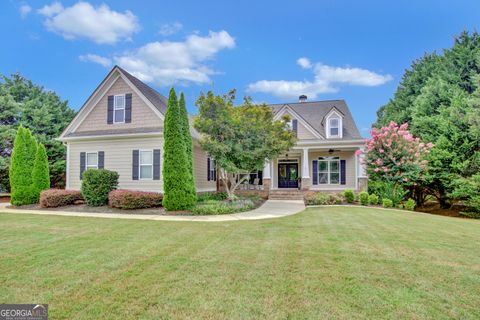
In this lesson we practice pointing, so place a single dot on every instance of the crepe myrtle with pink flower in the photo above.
(394, 154)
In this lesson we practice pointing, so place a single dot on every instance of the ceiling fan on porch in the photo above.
(333, 150)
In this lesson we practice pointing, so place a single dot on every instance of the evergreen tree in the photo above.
(188, 143)
(40, 174)
(176, 178)
(23, 159)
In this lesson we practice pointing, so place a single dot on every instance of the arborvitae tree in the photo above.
(23, 159)
(175, 164)
(187, 138)
(40, 173)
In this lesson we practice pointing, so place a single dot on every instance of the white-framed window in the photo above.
(91, 160)
(329, 170)
(334, 127)
(119, 108)
(145, 166)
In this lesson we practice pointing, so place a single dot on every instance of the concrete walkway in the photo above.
(270, 209)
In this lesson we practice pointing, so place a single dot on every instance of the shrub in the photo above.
(97, 184)
(387, 190)
(319, 198)
(410, 204)
(387, 203)
(364, 198)
(58, 198)
(373, 199)
(129, 199)
(40, 173)
(470, 214)
(212, 196)
(349, 195)
(211, 207)
(20, 172)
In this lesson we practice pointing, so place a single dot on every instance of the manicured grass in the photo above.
(334, 262)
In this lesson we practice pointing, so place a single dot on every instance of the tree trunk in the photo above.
(231, 184)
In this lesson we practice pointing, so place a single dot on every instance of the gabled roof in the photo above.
(159, 101)
(314, 113)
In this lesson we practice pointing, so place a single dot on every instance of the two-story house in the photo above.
(120, 128)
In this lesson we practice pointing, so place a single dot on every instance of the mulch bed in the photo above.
(434, 208)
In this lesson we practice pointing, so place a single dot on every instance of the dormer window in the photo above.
(333, 126)
(119, 109)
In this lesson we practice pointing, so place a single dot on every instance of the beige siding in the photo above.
(302, 132)
(200, 171)
(118, 157)
(349, 156)
(142, 115)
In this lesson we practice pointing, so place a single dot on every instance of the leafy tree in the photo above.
(23, 160)
(40, 174)
(439, 98)
(240, 139)
(177, 180)
(187, 136)
(23, 103)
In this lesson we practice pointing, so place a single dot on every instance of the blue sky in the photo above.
(272, 51)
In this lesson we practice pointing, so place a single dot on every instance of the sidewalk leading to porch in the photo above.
(270, 209)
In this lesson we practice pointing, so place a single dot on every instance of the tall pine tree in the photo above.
(176, 179)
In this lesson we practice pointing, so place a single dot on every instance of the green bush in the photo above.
(410, 204)
(178, 182)
(97, 184)
(364, 198)
(470, 214)
(211, 207)
(319, 198)
(468, 190)
(21, 166)
(349, 195)
(40, 172)
(373, 199)
(387, 203)
(387, 190)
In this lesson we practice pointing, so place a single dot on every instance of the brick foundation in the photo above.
(305, 184)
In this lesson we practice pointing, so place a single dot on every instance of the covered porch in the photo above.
(317, 168)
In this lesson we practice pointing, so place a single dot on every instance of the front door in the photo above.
(288, 175)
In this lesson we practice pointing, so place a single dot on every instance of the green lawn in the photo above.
(335, 262)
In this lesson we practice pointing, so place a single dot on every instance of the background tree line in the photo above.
(41, 111)
(439, 96)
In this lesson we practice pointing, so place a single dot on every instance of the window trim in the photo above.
(87, 166)
(212, 172)
(329, 171)
(140, 164)
(116, 109)
(330, 127)
(331, 116)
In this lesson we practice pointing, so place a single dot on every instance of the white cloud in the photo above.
(96, 59)
(304, 63)
(82, 20)
(50, 10)
(168, 29)
(325, 80)
(25, 10)
(165, 63)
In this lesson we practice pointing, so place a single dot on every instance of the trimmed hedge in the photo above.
(319, 198)
(410, 204)
(349, 195)
(129, 199)
(97, 184)
(364, 198)
(373, 199)
(58, 198)
(387, 203)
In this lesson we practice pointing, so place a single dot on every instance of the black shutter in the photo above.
(110, 110)
(156, 164)
(260, 177)
(343, 172)
(82, 164)
(295, 126)
(315, 172)
(128, 108)
(101, 159)
(208, 169)
(135, 165)
(214, 170)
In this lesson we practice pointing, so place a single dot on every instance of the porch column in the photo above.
(305, 172)
(267, 177)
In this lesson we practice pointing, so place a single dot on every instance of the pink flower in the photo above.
(377, 169)
(358, 152)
